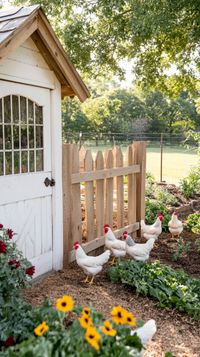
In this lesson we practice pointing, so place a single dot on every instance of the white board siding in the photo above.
(35, 243)
(26, 65)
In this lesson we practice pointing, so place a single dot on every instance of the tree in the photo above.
(157, 34)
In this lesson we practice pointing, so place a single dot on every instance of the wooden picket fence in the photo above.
(95, 192)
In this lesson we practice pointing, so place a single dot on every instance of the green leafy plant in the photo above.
(182, 248)
(152, 209)
(190, 185)
(197, 243)
(163, 196)
(170, 287)
(193, 222)
(66, 332)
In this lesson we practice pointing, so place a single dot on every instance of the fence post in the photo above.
(131, 187)
(120, 188)
(161, 157)
(109, 190)
(67, 200)
(76, 221)
(89, 198)
(140, 157)
(99, 195)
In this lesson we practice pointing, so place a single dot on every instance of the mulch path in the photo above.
(176, 332)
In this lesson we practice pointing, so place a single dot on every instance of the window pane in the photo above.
(30, 112)
(8, 138)
(23, 109)
(15, 108)
(16, 136)
(38, 114)
(7, 110)
(0, 110)
(39, 160)
(1, 163)
(31, 136)
(24, 167)
(24, 136)
(1, 137)
(8, 163)
(31, 161)
(39, 136)
(16, 162)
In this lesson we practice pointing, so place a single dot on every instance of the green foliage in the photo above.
(170, 287)
(99, 34)
(182, 248)
(190, 185)
(152, 208)
(163, 196)
(197, 243)
(193, 222)
(12, 268)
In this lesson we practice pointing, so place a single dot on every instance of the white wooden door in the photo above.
(25, 162)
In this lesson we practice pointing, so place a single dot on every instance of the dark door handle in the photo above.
(49, 182)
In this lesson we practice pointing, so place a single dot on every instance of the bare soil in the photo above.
(176, 332)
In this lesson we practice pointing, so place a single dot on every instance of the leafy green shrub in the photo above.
(193, 222)
(15, 270)
(190, 185)
(152, 209)
(163, 196)
(182, 248)
(150, 184)
(48, 335)
(170, 287)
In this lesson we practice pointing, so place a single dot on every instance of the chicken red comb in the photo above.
(175, 211)
(159, 215)
(76, 243)
(106, 225)
(125, 232)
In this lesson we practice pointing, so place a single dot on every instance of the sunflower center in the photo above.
(42, 329)
(64, 304)
(107, 328)
(119, 314)
(91, 336)
(86, 312)
(129, 319)
(86, 320)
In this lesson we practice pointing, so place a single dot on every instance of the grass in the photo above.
(177, 161)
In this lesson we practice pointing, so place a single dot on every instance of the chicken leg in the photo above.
(112, 261)
(85, 280)
(91, 281)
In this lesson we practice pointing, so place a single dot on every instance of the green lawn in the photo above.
(176, 161)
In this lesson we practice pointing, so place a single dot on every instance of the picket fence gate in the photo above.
(109, 188)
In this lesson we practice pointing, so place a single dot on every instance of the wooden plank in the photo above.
(99, 195)
(76, 220)
(104, 174)
(109, 190)
(131, 188)
(120, 189)
(20, 35)
(140, 154)
(67, 200)
(99, 242)
(89, 198)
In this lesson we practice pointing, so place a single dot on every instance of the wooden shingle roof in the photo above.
(18, 24)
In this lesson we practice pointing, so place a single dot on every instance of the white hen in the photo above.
(90, 265)
(116, 246)
(146, 332)
(175, 225)
(153, 230)
(138, 251)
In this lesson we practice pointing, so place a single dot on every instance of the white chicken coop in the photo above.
(35, 73)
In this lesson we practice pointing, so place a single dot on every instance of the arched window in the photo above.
(21, 135)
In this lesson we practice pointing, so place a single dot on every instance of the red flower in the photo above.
(30, 271)
(14, 263)
(1, 226)
(3, 247)
(9, 342)
(10, 233)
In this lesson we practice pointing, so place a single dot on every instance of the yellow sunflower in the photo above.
(85, 321)
(108, 329)
(86, 311)
(65, 303)
(93, 337)
(40, 329)
(119, 315)
(130, 319)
